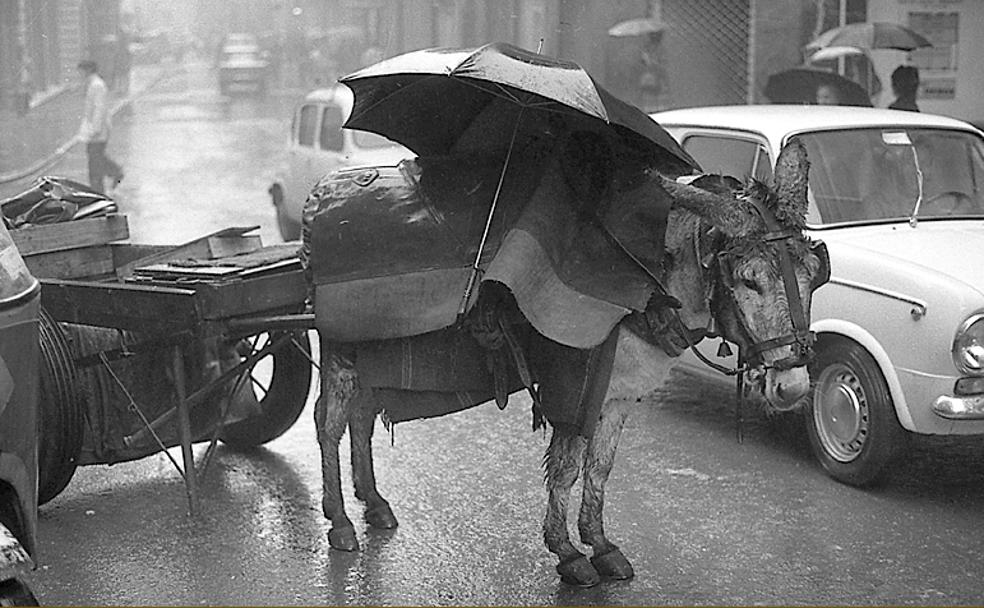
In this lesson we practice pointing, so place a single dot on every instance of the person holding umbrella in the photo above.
(905, 84)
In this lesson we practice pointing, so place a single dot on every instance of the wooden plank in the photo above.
(122, 306)
(197, 248)
(282, 291)
(124, 253)
(45, 238)
(83, 262)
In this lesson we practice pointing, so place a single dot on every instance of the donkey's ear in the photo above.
(790, 184)
(732, 216)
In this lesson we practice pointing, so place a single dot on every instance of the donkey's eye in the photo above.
(750, 284)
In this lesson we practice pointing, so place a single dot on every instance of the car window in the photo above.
(737, 157)
(873, 174)
(366, 139)
(331, 128)
(306, 125)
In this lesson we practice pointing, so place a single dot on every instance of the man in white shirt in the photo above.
(94, 130)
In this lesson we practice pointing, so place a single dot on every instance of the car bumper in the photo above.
(959, 408)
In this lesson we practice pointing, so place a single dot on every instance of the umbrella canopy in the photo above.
(875, 35)
(636, 27)
(799, 85)
(834, 52)
(438, 100)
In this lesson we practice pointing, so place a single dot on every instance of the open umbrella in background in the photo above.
(871, 35)
(799, 85)
(499, 97)
(636, 27)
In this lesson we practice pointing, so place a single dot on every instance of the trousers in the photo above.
(101, 166)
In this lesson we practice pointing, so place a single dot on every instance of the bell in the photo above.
(724, 350)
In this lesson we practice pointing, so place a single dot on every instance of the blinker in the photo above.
(819, 249)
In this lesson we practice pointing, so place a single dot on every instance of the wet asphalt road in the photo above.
(705, 520)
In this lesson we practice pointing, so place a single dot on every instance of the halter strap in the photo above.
(801, 329)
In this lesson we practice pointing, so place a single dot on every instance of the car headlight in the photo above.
(968, 346)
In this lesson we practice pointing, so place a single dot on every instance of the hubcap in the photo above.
(840, 412)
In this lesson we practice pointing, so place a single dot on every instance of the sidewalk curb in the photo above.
(62, 150)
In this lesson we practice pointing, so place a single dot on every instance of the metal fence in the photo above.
(715, 34)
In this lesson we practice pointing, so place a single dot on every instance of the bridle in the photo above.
(800, 337)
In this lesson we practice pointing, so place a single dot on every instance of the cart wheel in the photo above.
(61, 411)
(280, 382)
(14, 592)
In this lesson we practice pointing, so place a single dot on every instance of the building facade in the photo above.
(42, 42)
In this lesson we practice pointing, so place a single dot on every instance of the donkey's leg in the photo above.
(361, 424)
(332, 409)
(563, 463)
(607, 559)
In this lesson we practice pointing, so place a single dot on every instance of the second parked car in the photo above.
(898, 197)
(317, 145)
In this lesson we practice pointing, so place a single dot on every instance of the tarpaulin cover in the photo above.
(446, 371)
(389, 249)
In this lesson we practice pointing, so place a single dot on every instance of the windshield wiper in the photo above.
(919, 182)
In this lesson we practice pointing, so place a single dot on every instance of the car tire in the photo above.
(850, 417)
(61, 411)
(289, 229)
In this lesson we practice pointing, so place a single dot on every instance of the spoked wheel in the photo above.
(278, 381)
(15, 592)
(61, 411)
(851, 420)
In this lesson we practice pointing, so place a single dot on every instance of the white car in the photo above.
(318, 145)
(898, 197)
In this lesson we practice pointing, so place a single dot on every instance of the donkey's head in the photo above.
(764, 271)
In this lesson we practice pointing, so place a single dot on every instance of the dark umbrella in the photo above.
(497, 97)
(874, 35)
(799, 85)
(427, 100)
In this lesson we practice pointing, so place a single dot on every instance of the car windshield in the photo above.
(879, 174)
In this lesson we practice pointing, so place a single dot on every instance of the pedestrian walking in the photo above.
(95, 127)
(905, 85)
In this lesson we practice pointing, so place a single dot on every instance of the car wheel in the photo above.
(289, 229)
(851, 420)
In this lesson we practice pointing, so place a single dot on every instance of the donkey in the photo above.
(736, 262)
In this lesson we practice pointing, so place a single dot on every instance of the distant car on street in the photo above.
(318, 145)
(898, 197)
(242, 64)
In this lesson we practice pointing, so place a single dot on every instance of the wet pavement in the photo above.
(704, 520)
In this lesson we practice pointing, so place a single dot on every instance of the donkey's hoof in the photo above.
(343, 539)
(578, 572)
(381, 517)
(613, 565)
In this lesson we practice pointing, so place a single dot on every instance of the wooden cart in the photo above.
(223, 289)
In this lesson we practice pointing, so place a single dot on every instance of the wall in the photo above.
(966, 78)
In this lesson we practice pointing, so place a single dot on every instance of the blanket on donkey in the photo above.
(389, 250)
(447, 371)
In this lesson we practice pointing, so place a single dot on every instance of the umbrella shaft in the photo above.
(473, 276)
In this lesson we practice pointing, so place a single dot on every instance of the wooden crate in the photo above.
(75, 249)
